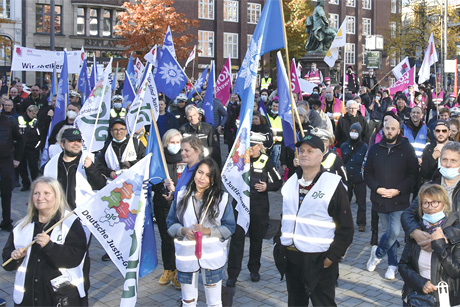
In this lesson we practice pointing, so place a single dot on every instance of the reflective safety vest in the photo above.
(213, 251)
(329, 160)
(260, 163)
(346, 79)
(314, 77)
(277, 129)
(337, 108)
(265, 83)
(23, 236)
(309, 228)
(419, 143)
(23, 123)
(121, 114)
(438, 99)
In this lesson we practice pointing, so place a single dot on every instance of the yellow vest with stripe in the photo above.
(329, 161)
(265, 83)
(213, 251)
(121, 114)
(260, 163)
(277, 128)
(309, 228)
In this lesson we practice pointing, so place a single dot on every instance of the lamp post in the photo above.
(52, 8)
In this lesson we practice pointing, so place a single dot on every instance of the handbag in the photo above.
(416, 299)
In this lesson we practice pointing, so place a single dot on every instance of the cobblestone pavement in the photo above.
(356, 286)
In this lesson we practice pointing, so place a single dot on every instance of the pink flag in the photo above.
(404, 82)
(224, 83)
(295, 79)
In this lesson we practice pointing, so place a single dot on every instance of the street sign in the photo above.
(450, 66)
(373, 59)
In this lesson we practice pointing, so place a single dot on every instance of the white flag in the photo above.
(139, 70)
(401, 68)
(151, 56)
(430, 58)
(191, 57)
(340, 40)
(97, 102)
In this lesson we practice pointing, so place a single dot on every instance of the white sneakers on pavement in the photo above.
(391, 272)
(373, 260)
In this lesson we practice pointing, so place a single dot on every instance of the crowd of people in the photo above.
(402, 147)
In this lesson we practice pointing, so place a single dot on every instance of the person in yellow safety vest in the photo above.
(266, 83)
(316, 229)
(277, 130)
(117, 112)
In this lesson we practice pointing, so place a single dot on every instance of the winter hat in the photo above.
(356, 126)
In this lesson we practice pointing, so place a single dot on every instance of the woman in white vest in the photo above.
(50, 272)
(201, 206)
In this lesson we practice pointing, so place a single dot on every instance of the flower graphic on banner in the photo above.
(251, 63)
(171, 73)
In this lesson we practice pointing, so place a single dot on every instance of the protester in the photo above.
(17, 100)
(315, 119)
(422, 270)
(230, 127)
(260, 125)
(416, 131)
(166, 120)
(8, 109)
(351, 80)
(370, 81)
(277, 130)
(201, 208)
(390, 172)
(264, 178)
(311, 266)
(377, 108)
(72, 111)
(352, 116)
(314, 75)
(333, 107)
(179, 112)
(403, 111)
(454, 126)
(117, 111)
(35, 98)
(203, 131)
(354, 151)
(171, 147)
(55, 256)
(44, 117)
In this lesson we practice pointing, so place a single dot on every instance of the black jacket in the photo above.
(40, 102)
(445, 264)
(11, 141)
(269, 175)
(342, 131)
(391, 167)
(429, 164)
(203, 131)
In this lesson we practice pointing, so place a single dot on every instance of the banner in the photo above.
(151, 56)
(401, 68)
(340, 40)
(97, 102)
(115, 216)
(224, 83)
(431, 57)
(295, 85)
(191, 57)
(208, 100)
(404, 82)
(28, 59)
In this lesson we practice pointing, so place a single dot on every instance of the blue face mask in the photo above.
(449, 173)
(434, 218)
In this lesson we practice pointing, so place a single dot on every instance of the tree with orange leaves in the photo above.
(145, 23)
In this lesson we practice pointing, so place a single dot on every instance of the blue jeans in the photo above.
(275, 155)
(391, 222)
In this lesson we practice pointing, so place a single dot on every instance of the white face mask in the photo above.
(71, 114)
(354, 135)
(117, 105)
(264, 98)
(174, 148)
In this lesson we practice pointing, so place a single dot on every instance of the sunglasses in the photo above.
(440, 130)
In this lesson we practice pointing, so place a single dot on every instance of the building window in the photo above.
(367, 4)
(392, 81)
(350, 54)
(393, 29)
(351, 3)
(334, 20)
(206, 43)
(367, 27)
(249, 40)
(334, 2)
(206, 9)
(231, 10)
(393, 59)
(107, 23)
(364, 52)
(5, 8)
(350, 25)
(81, 21)
(43, 18)
(93, 22)
(231, 45)
(394, 7)
(254, 10)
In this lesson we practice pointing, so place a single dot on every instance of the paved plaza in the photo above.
(356, 286)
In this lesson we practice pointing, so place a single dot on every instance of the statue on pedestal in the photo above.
(320, 34)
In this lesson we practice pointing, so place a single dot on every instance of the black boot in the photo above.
(375, 228)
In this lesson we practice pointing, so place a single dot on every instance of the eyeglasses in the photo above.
(434, 204)
(119, 130)
(440, 130)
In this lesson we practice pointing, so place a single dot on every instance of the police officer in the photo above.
(32, 139)
(117, 112)
(264, 177)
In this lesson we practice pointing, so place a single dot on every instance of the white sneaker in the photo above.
(391, 272)
(373, 260)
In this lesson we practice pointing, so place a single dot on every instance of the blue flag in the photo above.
(263, 111)
(268, 36)
(149, 257)
(93, 78)
(199, 83)
(83, 82)
(208, 102)
(128, 91)
(130, 71)
(170, 78)
(62, 94)
(285, 110)
(168, 42)
(53, 84)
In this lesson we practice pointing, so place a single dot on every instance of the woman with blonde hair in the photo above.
(50, 272)
(422, 270)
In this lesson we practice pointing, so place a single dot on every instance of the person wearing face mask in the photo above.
(113, 153)
(314, 75)
(451, 102)
(72, 111)
(353, 153)
(351, 81)
(432, 152)
(352, 116)
(266, 83)
(410, 96)
(332, 106)
(264, 97)
(376, 110)
(117, 111)
(370, 81)
(277, 130)
(327, 82)
(422, 270)
(171, 146)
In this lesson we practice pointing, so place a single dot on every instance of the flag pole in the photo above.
(344, 85)
(293, 109)
(95, 123)
(115, 79)
(193, 85)
(47, 231)
(162, 154)
(9, 85)
(380, 80)
(193, 65)
(436, 90)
